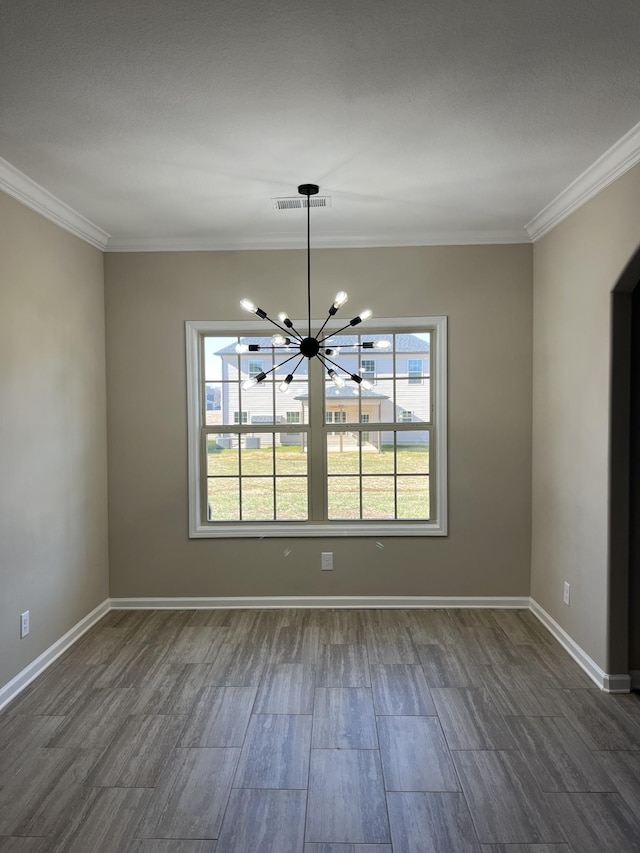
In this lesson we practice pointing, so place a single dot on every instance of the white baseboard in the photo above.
(610, 683)
(17, 684)
(403, 602)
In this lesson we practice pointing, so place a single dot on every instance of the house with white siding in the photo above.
(400, 393)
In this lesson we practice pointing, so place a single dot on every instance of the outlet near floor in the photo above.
(567, 593)
(24, 624)
(326, 561)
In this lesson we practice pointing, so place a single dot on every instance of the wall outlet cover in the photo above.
(326, 561)
(24, 624)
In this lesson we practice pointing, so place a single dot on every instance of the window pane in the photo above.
(368, 369)
(257, 499)
(413, 398)
(292, 407)
(375, 458)
(214, 348)
(291, 498)
(213, 403)
(343, 455)
(378, 497)
(223, 499)
(341, 405)
(412, 452)
(222, 455)
(344, 497)
(378, 403)
(413, 497)
(256, 455)
(291, 456)
(412, 354)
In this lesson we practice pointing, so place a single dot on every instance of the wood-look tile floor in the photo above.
(319, 731)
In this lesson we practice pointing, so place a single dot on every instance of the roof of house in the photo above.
(404, 343)
(349, 393)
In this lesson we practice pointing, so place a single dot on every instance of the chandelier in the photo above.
(291, 343)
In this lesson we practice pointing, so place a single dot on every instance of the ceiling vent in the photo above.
(298, 202)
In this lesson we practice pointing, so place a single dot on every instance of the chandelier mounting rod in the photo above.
(309, 190)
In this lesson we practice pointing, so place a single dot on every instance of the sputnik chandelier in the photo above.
(311, 346)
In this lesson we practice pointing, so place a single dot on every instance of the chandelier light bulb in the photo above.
(248, 305)
(250, 383)
(241, 348)
(286, 382)
(337, 380)
(284, 318)
(366, 385)
(341, 298)
(382, 344)
(279, 340)
(363, 315)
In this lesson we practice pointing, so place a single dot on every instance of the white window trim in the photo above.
(277, 529)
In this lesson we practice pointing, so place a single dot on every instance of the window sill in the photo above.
(292, 530)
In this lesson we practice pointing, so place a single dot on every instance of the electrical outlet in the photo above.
(326, 561)
(567, 593)
(24, 624)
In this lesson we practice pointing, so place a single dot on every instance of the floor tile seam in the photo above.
(423, 790)
(263, 788)
(345, 749)
(306, 799)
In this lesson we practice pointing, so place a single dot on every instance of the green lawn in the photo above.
(409, 499)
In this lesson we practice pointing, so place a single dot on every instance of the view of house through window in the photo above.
(266, 460)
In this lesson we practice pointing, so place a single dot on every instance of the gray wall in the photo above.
(576, 266)
(53, 484)
(487, 293)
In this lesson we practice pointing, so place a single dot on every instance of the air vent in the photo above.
(300, 202)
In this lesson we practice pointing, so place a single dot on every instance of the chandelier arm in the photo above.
(321, 329)
(324, 358)
(282, 363)
(323, 362)
(349, 324)
(296, 333)
(282, 328)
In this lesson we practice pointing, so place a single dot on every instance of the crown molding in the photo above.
(622, 156)
(19, 186)
(329, 241)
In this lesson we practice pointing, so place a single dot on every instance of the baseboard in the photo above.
(610, 683)
(403, 602)
(17, 684)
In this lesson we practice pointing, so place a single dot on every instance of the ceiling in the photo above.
(175, 124)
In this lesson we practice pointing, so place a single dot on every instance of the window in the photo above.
(414, 369)
(368, 369)
(255, 367)
(318, 460)
(364, 436)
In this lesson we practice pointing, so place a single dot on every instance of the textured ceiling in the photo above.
(437, 119)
